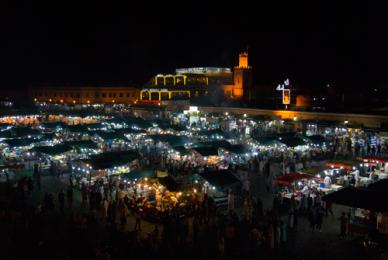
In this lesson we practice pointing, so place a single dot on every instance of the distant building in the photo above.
(210, 82)
(199, 83)
(85, 95)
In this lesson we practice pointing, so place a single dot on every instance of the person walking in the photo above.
(61, 200)
(343, 221)
(69, 195)
(328, 207)
(104, 207)
(138, 222)
(311, 219)
(123, 219)
(319, 218)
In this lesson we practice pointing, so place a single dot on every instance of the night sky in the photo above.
(106, 44)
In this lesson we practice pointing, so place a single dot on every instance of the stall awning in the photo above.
(268, 141)
(84, 144)
(111, 159)
(379, 186)
(47, 137)
(12, 167)
(339, 165)
(316, 139)
(169, 183)
(375, 158)
(222, 178)
(238, 149)
(207, 151)
(292, 177)
(53, 150)
(214, 133)
(293, 141)
(124, 131)
(358, 198)
(53, 125)
(165, 125)
(172, 140)
(77, 128)
(182, 150)
(94, 126)
(20, 142)
(138, 123)
(18, 132)
(138, 174)
(110, 135)
(218, 144)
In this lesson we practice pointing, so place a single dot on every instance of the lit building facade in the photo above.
(85, 95)
(213, 82)
(186, 83)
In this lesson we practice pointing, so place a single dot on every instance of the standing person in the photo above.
(123, 219)
(61, 200)
(283, 232)
(291, 219)
(104, 207)
(311, 218)
(138, 222)
(30, 185)
(319, 218)
(230, 200)
(69, 195)
(328, 207)
(343, 221)
(84, 193)
(271, 236)
(39, 180)
(309, 202)
(71, 180)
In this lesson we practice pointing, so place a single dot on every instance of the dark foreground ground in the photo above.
(28, 233)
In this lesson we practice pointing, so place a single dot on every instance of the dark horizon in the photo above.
(117, 45)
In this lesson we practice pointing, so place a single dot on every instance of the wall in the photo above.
(85, 95)
(366, 120)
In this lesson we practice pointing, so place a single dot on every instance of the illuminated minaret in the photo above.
(242, 78)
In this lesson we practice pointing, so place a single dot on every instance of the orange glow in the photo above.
(237, 92)
(286, 96)
(303, 101)
(243, 60)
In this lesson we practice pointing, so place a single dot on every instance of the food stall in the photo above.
(106, 164)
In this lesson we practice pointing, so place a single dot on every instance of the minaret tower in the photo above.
(242, 78)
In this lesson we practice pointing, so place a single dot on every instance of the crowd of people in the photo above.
(106, 220)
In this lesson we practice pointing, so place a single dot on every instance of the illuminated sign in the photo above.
(286, 96)
(203, 70)
(193, 109)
